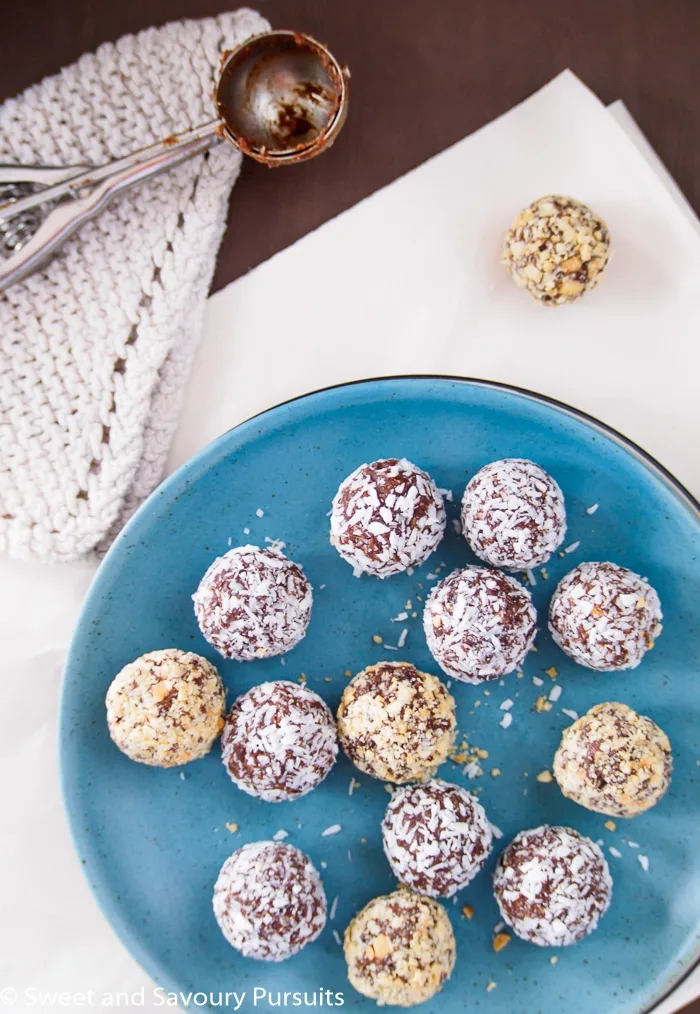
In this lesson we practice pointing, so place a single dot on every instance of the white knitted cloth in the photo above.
(95, 350)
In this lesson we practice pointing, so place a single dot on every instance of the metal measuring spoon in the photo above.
(281, 98)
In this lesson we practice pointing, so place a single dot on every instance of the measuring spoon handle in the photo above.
(67, 217)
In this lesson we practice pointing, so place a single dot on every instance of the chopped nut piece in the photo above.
(231, 827)
(377, 639)
(553, 960)
(545, 777)
(543, 704)
(610, 825)
(571, 264)
(467, 911)
(490, 986)
(495, 772)
(552, 672)
(500, 941)
(382, 946)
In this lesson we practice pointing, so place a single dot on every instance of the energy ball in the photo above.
(253, 603)
(400, 949)
(552, 886)
(479, 624)
(279, 741)
(396, 723)
(557, 249)
(436, 837)
(604, 616)
(386, 517)
(614, 761)
(513, 514)
(269, 901)
(166, 708)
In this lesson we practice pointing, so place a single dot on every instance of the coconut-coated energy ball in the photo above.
(605, 616)
(396, 722)
(557, 249)
(253, 603)
(269, 901)
(166, 708)
(400, 949)
(552, 886)
(387, 516)
(513, 514)
(614, 761)
(279, 741)
(436, 837)
(479, 624)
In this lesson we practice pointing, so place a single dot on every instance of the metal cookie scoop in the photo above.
(281, 98)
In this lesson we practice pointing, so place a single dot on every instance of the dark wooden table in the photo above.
(424, 74)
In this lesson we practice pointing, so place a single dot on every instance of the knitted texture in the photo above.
(95, 349)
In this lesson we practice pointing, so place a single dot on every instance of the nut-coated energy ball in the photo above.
(557, 249)
(614, 761)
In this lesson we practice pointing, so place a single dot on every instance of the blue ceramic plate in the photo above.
(152, 841)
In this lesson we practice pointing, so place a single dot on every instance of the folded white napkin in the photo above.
(96, 348)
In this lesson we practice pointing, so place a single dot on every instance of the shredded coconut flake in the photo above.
(572, 548)
(506, 705)
(334, 908)
(280, 835)
(615, 852)
(506, 720)
(556, 692)
(643, 862)
(570, 713)
(592, 509)
(260, 512)
(276, 545)
(333, 829)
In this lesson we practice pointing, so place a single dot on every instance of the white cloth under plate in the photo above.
(95, 350)
(437, 230)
